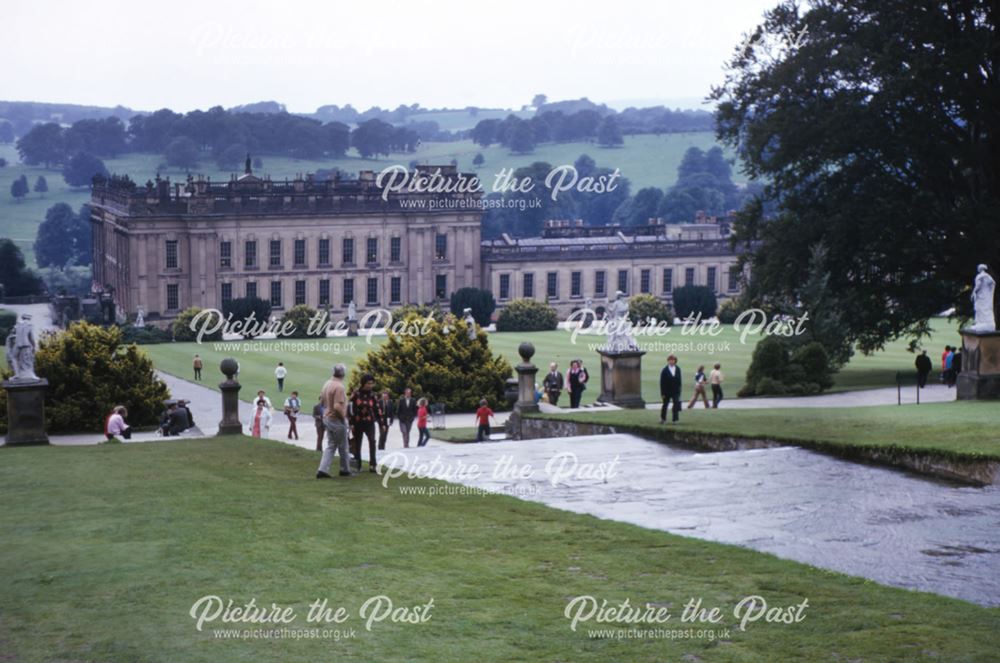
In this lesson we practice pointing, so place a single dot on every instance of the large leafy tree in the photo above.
(876, 124)
(63, 238)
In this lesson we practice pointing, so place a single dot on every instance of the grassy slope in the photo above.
(645, 160)
(108, 569)
(308, 370)
(963, 428)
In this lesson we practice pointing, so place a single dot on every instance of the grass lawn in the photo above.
(961, 428)
(309, 365)
(106, 548)
(646, 160)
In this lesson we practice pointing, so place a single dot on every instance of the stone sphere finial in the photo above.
(229, 367)
(527, 351)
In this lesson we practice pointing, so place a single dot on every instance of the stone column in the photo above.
(26, 411)
(230, 424)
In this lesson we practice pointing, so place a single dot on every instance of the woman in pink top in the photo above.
(115, 425)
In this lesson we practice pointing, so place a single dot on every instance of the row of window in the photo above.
(372, 295)
(600, 282)
(275, 255)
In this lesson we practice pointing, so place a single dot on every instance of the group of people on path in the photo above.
(951, 365)
(575, 383)
(346, 422)
(670, 388)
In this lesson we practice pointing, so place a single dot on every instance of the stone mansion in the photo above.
(326, 243)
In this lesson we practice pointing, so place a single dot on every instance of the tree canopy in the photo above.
(876, 125)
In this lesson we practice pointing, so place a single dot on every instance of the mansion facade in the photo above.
(163, 248)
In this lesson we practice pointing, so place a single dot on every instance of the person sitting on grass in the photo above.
(115, 425)
(423, 435)
(260, 420)
(483, 415)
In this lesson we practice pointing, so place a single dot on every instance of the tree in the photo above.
(640, 208)
(19, 188)
(478, 160)
(232, 157)
(609, 134)
(181, 327)
(16, 280)
(484, 133)
(81, 169)
(694, 299)
(182, 152)
(527, 315)
(440, 364)
(90, 371)
(644, 308)
(44, 145)
(300, 317)
(905, 200)
(522, 138)
(6, 132)
(479, 300)
(251, 312)
(41, 186)
(539, 100)
(373, 138)
(63, 238)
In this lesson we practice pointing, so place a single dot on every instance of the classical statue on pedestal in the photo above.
(140, 318)
(352, 312)
(21, 350)
(619, 327)
(470, 324)
(982, 301)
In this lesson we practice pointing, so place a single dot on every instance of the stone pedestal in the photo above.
(26, 411)
(526, 387)
(352, 327)
(980, 375)
(621, 378)
(230, 424)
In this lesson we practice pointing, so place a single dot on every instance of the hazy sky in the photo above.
(196, 54)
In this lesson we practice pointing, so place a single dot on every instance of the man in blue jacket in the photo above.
(670, 389)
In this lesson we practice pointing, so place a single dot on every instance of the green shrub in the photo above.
(419, 310)
(90, 371)
(480, 301)
(299, 317)
(148, 335)
(779, 367)
(729, 311)
(527, 315)
(443, 367)
(183, 333)
(643, 308)
(694, 299)
(243, 308)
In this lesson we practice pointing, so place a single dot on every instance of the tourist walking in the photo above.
(115, 424)
(292, 407)
(364, 413)
(261, 396)
(197, 365)
(386, 413)
(334, 400)
(423, 435)
(553, 384)
(406, 412)
(483, 415)
(949, 359)
(944, 364)
(923, 365)
(699, 387)
(715, 379)
(318, 410)
(577, 379)
(670, 389)
(279, 373)
(260, 420)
